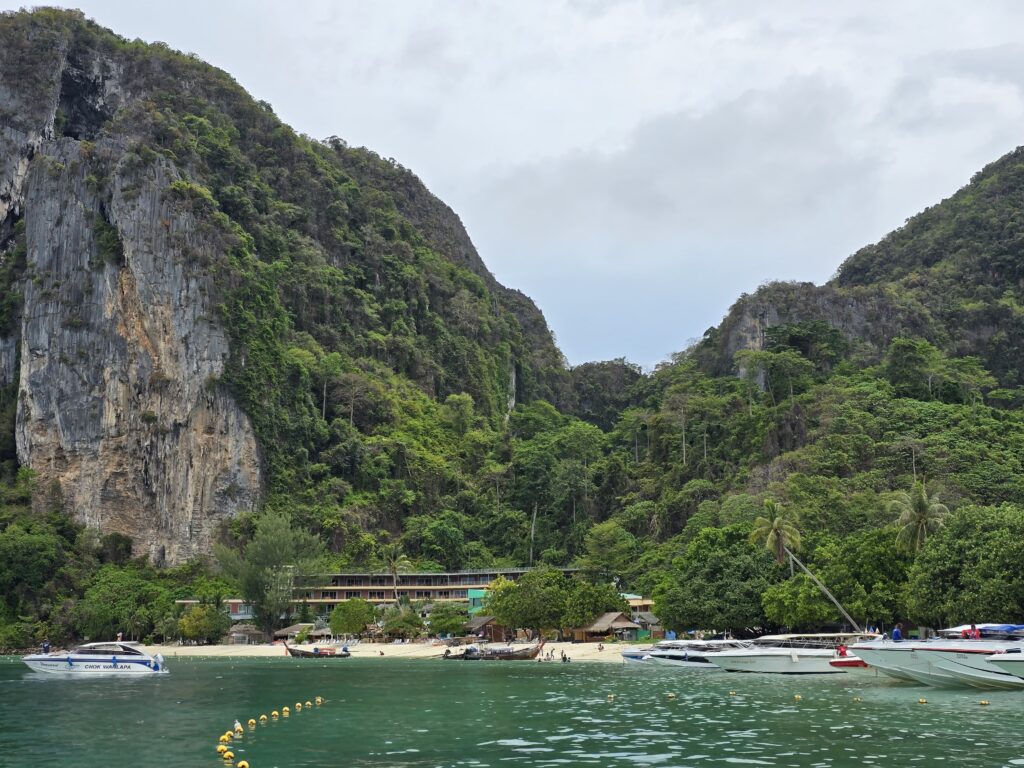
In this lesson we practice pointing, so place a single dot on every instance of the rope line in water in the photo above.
(236, 732)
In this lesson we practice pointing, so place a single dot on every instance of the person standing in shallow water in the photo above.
(897, 633)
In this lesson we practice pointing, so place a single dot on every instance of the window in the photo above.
(376, 595)
(352, 594)
(328, 595)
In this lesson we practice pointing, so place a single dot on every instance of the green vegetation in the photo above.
(377, 360)
(351, 617)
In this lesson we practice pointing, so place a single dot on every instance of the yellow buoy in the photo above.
(263, 718)
(309, 704)
(319, 700)
(671, 695)
(984, 702)
(298, 706)
(922, 701)
(856, 698)
(732, 693)
(611, 697)
(243, 764)
(224, 738)
(221, 749)
(252, 723)
(238, 731)
(798, 697)
(229, 755)
(285, 711)
(274, 714)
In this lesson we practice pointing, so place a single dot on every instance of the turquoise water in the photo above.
(390, 712)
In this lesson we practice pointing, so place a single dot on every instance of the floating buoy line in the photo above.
(237, 732)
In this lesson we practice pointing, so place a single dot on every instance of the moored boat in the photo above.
(692, 654)
(115, 658)
(1011, 662)
(497, 653)
(319, 652)
(948, 661)
(788, 654)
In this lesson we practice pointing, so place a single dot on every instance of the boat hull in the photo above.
(93, 665)
(696, 662)
(1010, 663)
(942, 663)
(780, 661)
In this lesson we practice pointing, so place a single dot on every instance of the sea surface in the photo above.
(384, 712)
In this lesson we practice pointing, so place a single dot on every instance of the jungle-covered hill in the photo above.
(399, 395)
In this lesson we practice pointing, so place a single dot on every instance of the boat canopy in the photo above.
(986, 630)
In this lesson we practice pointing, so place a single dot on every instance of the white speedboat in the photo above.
(692, 654)
(788, 654)
(948, 661)
(98, 659)
(1011, 662)
(635, 655)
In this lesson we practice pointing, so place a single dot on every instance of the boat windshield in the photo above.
(116, 648)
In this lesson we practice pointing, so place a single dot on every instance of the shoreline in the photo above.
(578, 652)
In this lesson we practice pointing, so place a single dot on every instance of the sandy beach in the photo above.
(584, 652)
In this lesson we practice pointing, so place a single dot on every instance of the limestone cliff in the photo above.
(120, 355)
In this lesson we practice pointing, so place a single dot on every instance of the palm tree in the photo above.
(778, 531)
(396, 561)
(920, 515)
(780, 535)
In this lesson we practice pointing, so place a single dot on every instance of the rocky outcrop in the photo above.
(120, 357)
(119, 347)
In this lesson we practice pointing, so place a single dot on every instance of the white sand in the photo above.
(576, 651)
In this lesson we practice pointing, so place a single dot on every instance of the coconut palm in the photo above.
(396, 561)
(777, 530)
(919, 516)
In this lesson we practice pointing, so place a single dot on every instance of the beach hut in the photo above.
(488, 628)
(290, 633)
(245, 634)
(650, 626)
(607, 624)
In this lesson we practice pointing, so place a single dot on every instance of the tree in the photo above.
(448, 618)
(970, 569)
(402, 621)
(717, 583)
(396, 561)
(351, 617)
(918, 516)
(585, 602)
(778, 531)
(203, 623)
(536, 601)
(266, 567)
(122, 600)
(611, 552)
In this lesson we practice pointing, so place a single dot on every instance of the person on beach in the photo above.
(897, 633)
(46, 645)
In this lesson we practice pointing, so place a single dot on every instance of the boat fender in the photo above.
(228, 756)
(263, 718)
(221, 749)
(251, 723)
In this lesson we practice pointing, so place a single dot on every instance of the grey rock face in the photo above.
(120, 357)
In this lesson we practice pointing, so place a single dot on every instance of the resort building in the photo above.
(324, 591)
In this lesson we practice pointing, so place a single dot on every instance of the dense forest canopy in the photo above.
(403, 400)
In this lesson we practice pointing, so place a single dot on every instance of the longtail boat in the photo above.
(317, 653)
(503, 653)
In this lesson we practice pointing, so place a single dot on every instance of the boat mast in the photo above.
(793, 558)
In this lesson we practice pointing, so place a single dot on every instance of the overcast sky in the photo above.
(634, 166)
